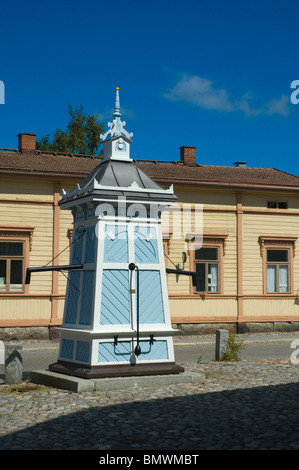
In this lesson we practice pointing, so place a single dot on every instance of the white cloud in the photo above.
(274, 106)
(200, 91)
(279, 106)
(203, 93)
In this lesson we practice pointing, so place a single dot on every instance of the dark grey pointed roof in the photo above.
(113, 178)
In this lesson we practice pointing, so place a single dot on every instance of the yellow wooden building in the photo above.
(236, 226)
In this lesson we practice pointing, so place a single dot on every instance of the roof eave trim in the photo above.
(234, 185)
(34, 173)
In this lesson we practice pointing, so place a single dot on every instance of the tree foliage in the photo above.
(82, 135)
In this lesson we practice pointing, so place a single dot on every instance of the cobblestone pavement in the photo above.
(241, 405)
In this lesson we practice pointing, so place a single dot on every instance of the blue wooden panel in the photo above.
(72, 297)
(108, 352)
(82, 352)
(116, 244)
(146, 248)
(86, 304)
(115, 300)
(154, 352)
(89, 256)
(77, 248)
(67, 348)
(151, 308)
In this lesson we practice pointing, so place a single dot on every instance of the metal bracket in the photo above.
(152, 339)
(179, 272)
(51, 268)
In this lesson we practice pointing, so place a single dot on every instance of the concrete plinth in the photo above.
(77, 384)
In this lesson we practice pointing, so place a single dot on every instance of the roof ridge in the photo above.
(285, 172)
(233, 166)
(67, 154)
(52, 154)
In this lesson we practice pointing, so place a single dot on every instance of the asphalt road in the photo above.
(206, 352)
(38, 356)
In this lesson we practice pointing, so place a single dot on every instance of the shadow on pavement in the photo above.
(256, 418)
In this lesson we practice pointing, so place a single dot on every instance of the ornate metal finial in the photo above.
(116, 113)
(116, 127)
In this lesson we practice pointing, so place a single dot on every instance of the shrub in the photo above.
(234, 346)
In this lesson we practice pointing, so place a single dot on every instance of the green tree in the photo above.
(82, 135)
(92, 134)
(61, 142)
(76, 130)
(45, 144)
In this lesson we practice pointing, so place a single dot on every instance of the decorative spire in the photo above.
(116, 127)
(116, 113)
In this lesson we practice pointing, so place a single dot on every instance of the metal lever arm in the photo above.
(51, 268)
(184, 273)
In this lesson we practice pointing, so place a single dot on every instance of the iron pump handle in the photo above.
(81, 229)
(51, 268)
(184, 273)
(132, 267)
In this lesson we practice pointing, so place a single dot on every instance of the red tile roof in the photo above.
(220, 174)
(13, 162)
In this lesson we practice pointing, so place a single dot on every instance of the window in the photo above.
(166, 246)
(206, 261)
(206, 252)
(278, 270)
(15, 246)
(277, 254)
(11, 266)
(277, 205)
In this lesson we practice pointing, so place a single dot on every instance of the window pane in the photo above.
(278, 255)
(282, 205)
(213, 278)
(200, 277)
(11, 249)
(283, 278)
(2, 275)
(207, 253)
(16, 275)
(271, 278)
(272, 205)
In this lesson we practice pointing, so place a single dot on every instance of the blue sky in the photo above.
(214, 75)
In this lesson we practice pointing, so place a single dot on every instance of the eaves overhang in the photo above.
(216, 184)
(226, 185)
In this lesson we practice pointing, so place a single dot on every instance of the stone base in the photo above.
(79, 385)
(190, 329)
(123, 370)
(21, 333)
(185, 329)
